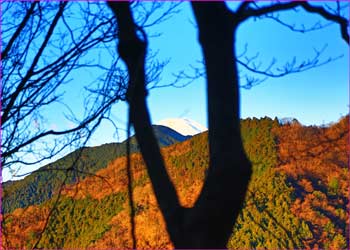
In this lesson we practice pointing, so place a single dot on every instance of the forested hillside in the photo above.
(42, 184)
(298, 196)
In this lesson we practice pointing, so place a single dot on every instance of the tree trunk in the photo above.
(214, 214)
(209, 223)
(133, 51)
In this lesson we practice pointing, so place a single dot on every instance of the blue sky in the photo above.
(317, 96)
(314, 97)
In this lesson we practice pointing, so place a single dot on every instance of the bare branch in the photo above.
(18, 31)
(329, 16)
(289, 67)
(260, 11)
(242, 7)
(12, 100)
(293, 27)
(133, 51)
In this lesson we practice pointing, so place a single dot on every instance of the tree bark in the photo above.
(209, 223)
(221, 199)
(133, 51)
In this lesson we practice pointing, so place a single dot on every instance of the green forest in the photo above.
(297, 198)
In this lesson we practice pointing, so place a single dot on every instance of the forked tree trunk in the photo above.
(209, 223)
(220, 201)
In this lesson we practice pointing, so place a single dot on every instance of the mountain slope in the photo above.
(297, 199)
(167, 136)
(42, 184)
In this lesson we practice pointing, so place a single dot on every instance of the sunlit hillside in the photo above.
(298, 196)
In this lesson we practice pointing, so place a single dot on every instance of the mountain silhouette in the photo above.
(44, 182)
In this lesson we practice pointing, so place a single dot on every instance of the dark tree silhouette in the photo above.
(209, 222)
(30, 82)
(42, 48)
(43, 45)
(34, 69)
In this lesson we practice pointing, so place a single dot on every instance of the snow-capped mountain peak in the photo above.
(288, 120)
(183, 126)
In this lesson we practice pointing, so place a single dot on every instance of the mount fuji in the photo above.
(184, 126)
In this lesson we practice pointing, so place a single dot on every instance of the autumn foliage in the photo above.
(298, 197)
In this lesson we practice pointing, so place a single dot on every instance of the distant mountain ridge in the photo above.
(297, 198)
(42, 183)
(167, 136)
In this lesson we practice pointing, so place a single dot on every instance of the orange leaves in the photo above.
(307, 185)
(21, 227)
(316, 160)
(185, 166)
(313, 159)
(314, 152)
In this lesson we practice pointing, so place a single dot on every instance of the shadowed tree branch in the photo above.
(229, 168)
(44, 48)
(227, 159)
(260, 11)
(18, 31)
(133, 51)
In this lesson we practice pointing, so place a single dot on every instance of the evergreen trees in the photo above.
(290, 203)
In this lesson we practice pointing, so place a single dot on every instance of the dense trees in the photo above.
(46, 181)
(208, 223)
(31, 84)
(43, 184)
(280, 210)
(314, 159)
(73, 224)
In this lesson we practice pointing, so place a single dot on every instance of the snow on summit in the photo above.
(183, 126)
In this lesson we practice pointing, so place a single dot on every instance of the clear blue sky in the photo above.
(317, 96)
